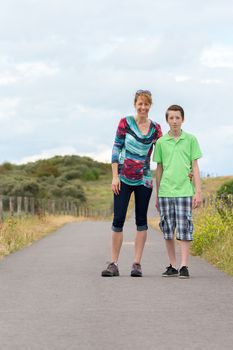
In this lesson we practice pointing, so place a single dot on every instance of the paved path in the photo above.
(52, 297)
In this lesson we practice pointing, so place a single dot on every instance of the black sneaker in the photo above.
(170, 272)
(184, 272)
(136, 270)
(111, 271)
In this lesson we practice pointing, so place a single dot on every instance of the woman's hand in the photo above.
(190, 175)
(116, 185)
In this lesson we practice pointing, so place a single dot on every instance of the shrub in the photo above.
(46, 169)
(225, 189)
(213, 237)
(73, 192)
(26, 188)
(91, 175)
(74, 174)
(224, 203)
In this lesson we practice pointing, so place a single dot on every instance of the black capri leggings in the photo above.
(142, 196)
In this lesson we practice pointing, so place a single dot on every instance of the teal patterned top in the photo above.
(132, 151)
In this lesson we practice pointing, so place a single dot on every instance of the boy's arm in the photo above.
(197, 183)
(158, 175)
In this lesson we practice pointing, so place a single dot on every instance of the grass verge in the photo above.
(213, 238)
(19, 232)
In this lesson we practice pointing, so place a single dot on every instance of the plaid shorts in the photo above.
(176, 214)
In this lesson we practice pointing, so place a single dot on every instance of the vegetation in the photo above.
(213, 238)
(226, 189)
(18, 232)
(68, 177)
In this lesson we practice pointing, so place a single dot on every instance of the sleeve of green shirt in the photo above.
(157, 155)
(195, 149)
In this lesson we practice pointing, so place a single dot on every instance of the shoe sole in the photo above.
(170, 275)
(136, 274)
(109, 275)
(184, 277)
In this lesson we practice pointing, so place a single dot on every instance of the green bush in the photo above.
(73, 192)
(225, 189)
(224, 203)
(91, 175)
(46, 169)
(26, 188)
(73, 174)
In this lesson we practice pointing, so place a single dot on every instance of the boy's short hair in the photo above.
(175, 108)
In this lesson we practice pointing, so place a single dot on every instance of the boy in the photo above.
(176, 153)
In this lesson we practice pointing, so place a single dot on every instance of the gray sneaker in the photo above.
(111, 270)
(136, 270)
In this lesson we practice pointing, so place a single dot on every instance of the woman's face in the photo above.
(142, 106)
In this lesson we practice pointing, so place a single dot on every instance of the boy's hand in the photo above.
(197, 200)
(116, 185)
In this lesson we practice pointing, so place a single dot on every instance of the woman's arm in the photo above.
(116, 151)
(116, 184)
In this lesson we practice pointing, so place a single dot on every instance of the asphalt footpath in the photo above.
(52, 297)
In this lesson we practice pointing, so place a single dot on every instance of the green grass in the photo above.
(213, 237)
(98, 193)
(210, 185)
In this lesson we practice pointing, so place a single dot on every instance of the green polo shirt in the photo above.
(176, 157)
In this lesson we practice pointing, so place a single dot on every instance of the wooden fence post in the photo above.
(32, 205)
(11, 205)
(53, 204)
(19, 205)
(26, 205)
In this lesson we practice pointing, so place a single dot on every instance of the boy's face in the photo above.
(174, 120)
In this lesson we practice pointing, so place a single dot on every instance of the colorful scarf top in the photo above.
(132, 151)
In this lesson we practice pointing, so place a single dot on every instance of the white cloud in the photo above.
(36, 69)
(8, 107)
(181, 78)
(217, 57)
(45, 154)
(102, 153)
(12, 73)
(69, 70)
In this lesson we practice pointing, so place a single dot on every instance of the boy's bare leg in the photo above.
(170, 245)
(117, 239)
(139, 244)
(184, 250)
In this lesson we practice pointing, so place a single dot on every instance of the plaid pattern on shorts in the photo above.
(176, 214)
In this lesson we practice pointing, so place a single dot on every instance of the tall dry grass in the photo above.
(18, 232)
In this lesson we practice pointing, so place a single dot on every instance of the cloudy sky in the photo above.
(69, 70)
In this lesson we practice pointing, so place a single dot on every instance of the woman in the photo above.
(132, 149)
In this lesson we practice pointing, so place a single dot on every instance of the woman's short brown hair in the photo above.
(143, 93)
